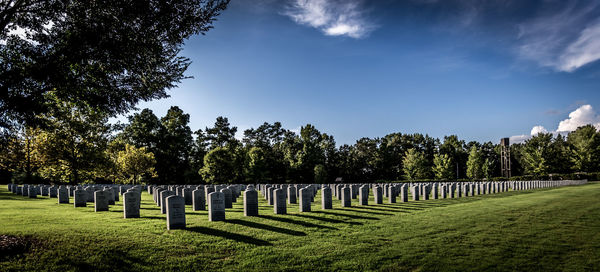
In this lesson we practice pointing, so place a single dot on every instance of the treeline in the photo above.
(78, 145)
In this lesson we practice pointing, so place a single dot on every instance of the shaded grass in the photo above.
(541, 230)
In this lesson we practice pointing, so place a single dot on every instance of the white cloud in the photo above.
(332, 17)
(537, 130)
(586, 49)
(564, 41)
(584, 115)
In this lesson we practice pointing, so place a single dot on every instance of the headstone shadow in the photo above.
(296, 222)
(352, 209)
(265, 227)
(229, 235)
(325, 219)
(348, 215)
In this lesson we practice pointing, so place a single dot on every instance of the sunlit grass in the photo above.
(541, 230)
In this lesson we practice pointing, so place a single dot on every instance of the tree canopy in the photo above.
(107, 55)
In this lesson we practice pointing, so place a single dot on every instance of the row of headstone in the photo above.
(173, 199)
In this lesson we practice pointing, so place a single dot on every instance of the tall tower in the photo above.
(505, 157)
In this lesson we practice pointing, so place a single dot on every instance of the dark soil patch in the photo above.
(14, 245)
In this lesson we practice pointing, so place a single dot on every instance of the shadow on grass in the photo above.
(363, 211)
(296, 222)
(230, 235)
(265, 227)
(376, 209)
(154, 217)
(325, 219)
(348, 215)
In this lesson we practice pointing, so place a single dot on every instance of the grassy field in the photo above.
(541, 230)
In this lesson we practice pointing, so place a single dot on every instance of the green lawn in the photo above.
(540, 230)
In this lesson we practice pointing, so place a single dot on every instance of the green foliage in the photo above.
(443, 167)
(72, 145)
(475, 163)
(415, 166)
(538, 154)
(135, 163)
(218, 166)
(585, 148)
(107, 55)
(320, 174)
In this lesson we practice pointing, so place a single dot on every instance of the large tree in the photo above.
(415, 165)
(585, 148)
(107, 54)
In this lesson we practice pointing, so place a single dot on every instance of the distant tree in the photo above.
(218, 166)
(174, 147)
(74, 142)
(415, 165)
(475, 163)
(455, 148)
(21, 152)
(136, 162)
(585, 149)
(537, 154)
(443, 167)
(221, 134)
(320, 174)
(487, 168)
(107, 55)
(142, 130)
(257, 166)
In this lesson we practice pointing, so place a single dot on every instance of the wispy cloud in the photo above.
(584, 115)
(565, 39)
(332, 17)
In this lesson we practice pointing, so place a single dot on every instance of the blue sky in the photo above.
(358, 69)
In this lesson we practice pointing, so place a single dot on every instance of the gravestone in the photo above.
(391, 194)
(346, 197)
(90, 193)
(52, 191)
(175, 212)
(363, 195)
(25, 191)
(404, 193)
(444, 192)
(378, 194)
(100, 201)
(270, 195)
(291, 192)
(353, 191)
(415, 193)
(208, 189)
(251, 202)
(426, 192)
(305, 195)
(198, 201)
(187, 195)
(44, 190)
(326, 198)
(163, 196)
(63, 196)
(110, 195)
(131, 205)
(80, 198)
(31, 192)
(116, 194)
(279, 202)
(216, 206)
(227, 194)
(435, 191)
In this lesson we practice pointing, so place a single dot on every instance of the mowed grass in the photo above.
(554, 229)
